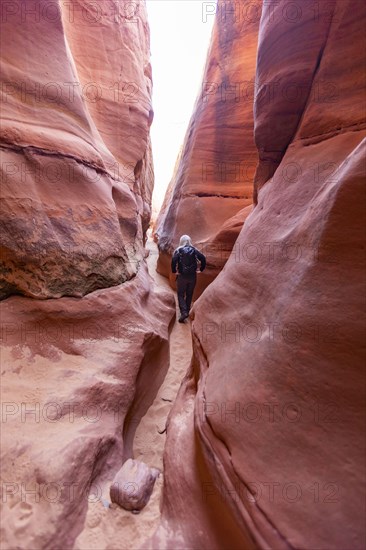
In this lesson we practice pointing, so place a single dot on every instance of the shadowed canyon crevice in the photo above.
(254, 409)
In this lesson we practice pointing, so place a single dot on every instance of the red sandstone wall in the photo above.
(87, 334)
(213, 179)
(76, 155)
(266, 444)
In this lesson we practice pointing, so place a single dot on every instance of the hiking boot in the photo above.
(183, 317)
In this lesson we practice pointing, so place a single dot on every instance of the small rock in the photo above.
(133, 484)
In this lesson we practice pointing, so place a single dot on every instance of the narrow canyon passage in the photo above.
(113, 528)
(257, 404)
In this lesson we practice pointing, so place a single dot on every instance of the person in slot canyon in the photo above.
(185, 259)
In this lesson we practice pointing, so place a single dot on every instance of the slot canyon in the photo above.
(251, 413)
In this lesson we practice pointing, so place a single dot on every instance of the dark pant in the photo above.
(185, 288)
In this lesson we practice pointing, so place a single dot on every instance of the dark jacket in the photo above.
(198, 256)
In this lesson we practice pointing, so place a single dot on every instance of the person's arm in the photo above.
(202, 260)
(174, 262)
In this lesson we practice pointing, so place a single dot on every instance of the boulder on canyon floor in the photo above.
(133, 484)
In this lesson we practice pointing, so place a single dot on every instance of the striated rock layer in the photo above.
(76, 155)
(266, 443)
(213, 179)
(85, 339)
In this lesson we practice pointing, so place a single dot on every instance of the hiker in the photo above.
(185, 257)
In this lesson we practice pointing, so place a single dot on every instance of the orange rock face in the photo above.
(75, 143)
(213, 179)
(266, 443)
(85, 341)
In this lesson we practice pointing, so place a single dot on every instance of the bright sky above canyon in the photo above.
(180, 33)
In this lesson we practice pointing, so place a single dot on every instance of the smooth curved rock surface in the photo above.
(213, 177)
(269, 424)
(76, 154)
(85, 341)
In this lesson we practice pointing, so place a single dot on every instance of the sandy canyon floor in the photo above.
(108, 527)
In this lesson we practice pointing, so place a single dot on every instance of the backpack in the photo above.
(187, 260)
